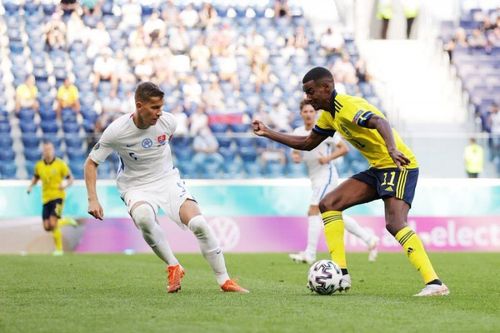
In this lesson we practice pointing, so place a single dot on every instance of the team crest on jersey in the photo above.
(97, 145)
(147, 143)
(162, 139)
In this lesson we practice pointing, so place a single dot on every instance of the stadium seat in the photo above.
(32, 154)
(30, 141)
(8, 170)
(7, 154)
(71, 127)
(49, 127)
(28, 127)
(4, 127)
(5, 141)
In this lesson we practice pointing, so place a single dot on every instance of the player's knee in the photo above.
(198, 226)
(330, 203)
(143, 216)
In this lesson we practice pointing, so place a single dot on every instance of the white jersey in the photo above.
(145, 155)
(316, 170)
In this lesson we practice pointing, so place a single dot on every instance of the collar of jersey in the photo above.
(332, 101)
(53, 160)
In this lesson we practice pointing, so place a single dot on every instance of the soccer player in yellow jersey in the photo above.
(56, 177)
(392, 176)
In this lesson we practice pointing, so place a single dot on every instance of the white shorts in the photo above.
(321, 187)
(168, 194)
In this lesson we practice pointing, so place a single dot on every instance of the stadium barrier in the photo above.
(256, 216)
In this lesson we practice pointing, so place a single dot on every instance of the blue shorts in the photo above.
(391, 182)
(52, 208)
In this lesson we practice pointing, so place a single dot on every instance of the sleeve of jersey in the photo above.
(103, 148)
(322, 126)
(361, 117)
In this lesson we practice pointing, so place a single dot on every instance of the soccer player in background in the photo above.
(56, 177)
(392, 176)
(324, 178)
(147, 181)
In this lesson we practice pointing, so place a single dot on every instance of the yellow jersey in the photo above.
(51, 175)
(67, 95)
(351, 115)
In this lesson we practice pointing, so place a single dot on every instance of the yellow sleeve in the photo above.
(74, 92)
(60, 92)
(324, 124)
(361, 116)
(64, 169)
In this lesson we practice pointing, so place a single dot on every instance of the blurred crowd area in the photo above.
(473, 46)
(69, 69)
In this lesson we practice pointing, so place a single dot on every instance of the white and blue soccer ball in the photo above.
(324, 277)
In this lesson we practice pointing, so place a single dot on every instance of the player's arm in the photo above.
(341, 150)
(69, 181)
(385, 130)
(34, 181)
(294, 141)
(90, 176)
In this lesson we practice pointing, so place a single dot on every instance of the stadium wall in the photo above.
(256, 216)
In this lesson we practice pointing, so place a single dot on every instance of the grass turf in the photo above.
(118, 293)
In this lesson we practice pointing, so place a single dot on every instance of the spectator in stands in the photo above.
(281, 8)
(494, 125)
(477, 39)
(131, 14)
(67, 97)
(76, 29)
(332, 41)
(228, 68)
(261, 72)
(362, 74)
(494, 37)
(301, 40)
(200, 55)
(208, 16)
(144, 69)
(178, 40)
(205, 145)
(344, 70)
(473, 158)
(191, 90)
(68, 6)
(26, 94)
(274, 152)
(163, 66)
(170, 13)
(281, 118)
(105, 69)
(111, 108)
(213, 97)
(90, 6)
(198, 120)
(55, 33)
(189, 16)
(98, 40)
(154, 29)
(219, 40)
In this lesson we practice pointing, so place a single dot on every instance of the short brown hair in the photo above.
(304, 103)
(147, 90)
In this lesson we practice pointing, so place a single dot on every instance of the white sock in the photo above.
(209, 246)
(354, 228)
(145, 219)
(313, 231)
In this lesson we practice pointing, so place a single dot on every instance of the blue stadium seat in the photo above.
(47, 114)
(8, 170)
(240, 128)
(252, 170)
(75, 153)
(4, 127)
(7, 154)
(245, 141)
(49, 127)
(32, 154)
(71, 127)
(56, 141)
(30, 167)
(248, 154)
(30, 141)
(5, 141)
(73, 141)
(219, 127)
(26, 115)
(28, 127)
(77, 169)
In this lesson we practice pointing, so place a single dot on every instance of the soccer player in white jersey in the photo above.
(324, 178)
(147, 181)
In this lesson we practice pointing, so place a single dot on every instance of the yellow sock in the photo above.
(66, 221)
(334, 234)
(416, 253)
(58, 241)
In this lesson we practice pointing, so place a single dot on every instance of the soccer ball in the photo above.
(324, 277)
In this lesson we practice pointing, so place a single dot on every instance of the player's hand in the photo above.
(259, 128)
(95, 209)
(323, 159)
(399, 158)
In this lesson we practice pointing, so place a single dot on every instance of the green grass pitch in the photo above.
(118, 293)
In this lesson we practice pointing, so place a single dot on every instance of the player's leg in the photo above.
(397, 204)
(190, 215)
(57, 235)
(367, 237)
(349, 193)
(314, 227)
(144, 217)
